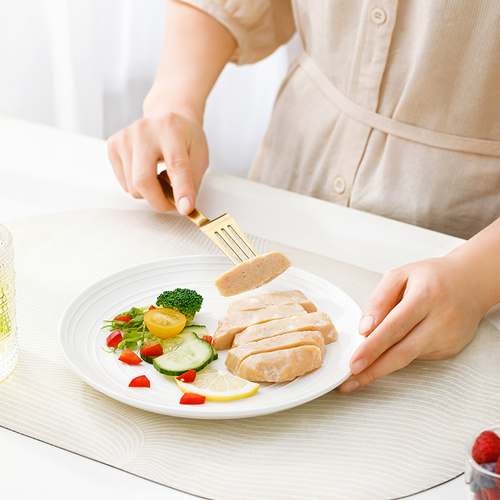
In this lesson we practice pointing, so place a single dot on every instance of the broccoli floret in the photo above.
(184, 300)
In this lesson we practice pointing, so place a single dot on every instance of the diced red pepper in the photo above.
(140, 381)
(130, 357)
(152, 350)
(151, 307)
(189, 398)
(114, 338)
(189, 376)
(123, 318)
(208, 338)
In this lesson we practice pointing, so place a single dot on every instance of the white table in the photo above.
(44, 170)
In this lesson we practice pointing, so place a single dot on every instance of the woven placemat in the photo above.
(400, 435)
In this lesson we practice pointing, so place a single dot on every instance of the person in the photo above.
(392, 108)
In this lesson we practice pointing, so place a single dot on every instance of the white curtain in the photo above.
(86, 65)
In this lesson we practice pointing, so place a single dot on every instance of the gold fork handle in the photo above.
(196, 216)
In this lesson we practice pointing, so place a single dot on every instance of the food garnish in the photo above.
(159, 334)
(184, 352)
(152, 349)
(164, 322)
(200, 330)
(208, 338)
(189, 376)
(130, 357)
(124, 319)
(184, 300)
(140, 381)
(192, 399)
(133, 331)
(218, 386)
(114, 338)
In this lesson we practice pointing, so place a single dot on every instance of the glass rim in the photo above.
(4, 248)
(471, 461)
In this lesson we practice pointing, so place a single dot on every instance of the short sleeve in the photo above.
(258, 26)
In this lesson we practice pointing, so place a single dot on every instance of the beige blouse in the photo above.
(393, 107)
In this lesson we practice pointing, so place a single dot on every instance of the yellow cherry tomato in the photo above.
(164, 323)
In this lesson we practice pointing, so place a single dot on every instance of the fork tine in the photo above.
(244, 247)
(228, 236)
(226, 240)
(228, 251)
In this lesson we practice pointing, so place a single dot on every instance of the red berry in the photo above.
(490, 494)
(486, 448)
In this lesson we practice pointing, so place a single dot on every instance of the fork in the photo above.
(223, 230)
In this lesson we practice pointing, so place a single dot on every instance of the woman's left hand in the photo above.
(425, 310)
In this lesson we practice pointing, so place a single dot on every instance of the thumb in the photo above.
(386, 296)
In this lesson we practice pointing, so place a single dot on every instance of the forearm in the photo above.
(480, 259)
(195, 50)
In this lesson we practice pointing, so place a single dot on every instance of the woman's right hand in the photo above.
(174, 137)
(172, 128)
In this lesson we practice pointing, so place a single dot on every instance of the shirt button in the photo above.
(339, 184)
(378, 16)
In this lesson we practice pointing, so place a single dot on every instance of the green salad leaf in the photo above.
(134, 331)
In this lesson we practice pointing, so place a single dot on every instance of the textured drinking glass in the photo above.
(8, 328)
(483, 483)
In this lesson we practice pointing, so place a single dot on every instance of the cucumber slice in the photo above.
(148, 359)
(182, 352)
(200, 330)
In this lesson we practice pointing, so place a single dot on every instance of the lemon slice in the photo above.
(219, 386)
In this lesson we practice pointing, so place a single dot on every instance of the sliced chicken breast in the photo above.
(237, 355)
(317, 321)
(231, 324)
(280, 366)
(263, 300)
(252, 273)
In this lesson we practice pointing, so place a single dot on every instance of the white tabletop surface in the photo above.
(44, 170)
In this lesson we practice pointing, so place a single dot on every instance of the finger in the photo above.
(178, 168)
(124, 147)
(116, 162)
(144, 168)
(397, 357)
(394, 327)
(198, 156)
(144, 173)
(127, 159)
(385, 297)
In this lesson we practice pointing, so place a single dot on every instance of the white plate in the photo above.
(82, 339)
